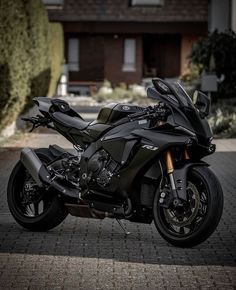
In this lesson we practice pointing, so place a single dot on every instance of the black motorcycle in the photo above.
(134, 163)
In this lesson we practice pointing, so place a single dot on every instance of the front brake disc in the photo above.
(171, 216)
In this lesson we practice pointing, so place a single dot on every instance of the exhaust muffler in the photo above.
(35, 167)
(41, 175)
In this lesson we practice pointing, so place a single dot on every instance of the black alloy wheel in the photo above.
(32, 207)
(194, 222)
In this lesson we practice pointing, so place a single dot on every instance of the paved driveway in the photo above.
(92, 254)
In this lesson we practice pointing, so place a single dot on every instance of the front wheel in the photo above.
(194, 222)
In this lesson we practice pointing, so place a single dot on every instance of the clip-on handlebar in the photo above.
(160, 111)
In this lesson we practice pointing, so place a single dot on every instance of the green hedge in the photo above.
(14, 60)
(39, 54)
(31, 54)
(56, 44)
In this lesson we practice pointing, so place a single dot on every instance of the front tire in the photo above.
(33, 208)
(200, 219)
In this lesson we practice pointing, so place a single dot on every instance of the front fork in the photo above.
(176, 180)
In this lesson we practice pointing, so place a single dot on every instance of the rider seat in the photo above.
(70, 122)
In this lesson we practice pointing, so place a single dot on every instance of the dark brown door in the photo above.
(161, 55)
(91, 58)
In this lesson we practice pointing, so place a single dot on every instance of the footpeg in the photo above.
(123, 227)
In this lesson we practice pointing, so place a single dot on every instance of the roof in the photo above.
(122, 11)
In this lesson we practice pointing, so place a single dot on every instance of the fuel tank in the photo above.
(116, 111)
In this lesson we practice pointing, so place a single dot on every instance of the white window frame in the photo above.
(129, 58)
(73, 54)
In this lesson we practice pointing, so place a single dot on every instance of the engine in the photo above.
(98, 170)
(101, 168)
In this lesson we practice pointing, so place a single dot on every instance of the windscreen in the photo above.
(182, 95)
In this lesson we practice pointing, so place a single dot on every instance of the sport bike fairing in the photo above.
(184, 113)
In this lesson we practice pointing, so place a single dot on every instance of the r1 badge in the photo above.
(142, 122)
(150, 147)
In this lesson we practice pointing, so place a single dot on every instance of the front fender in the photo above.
(180, 177)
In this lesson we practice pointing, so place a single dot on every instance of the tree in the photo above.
(217, 53)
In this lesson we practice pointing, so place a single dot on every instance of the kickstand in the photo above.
(123, 227)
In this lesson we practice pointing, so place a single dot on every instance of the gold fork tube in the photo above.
(186, 156)
(169, 162)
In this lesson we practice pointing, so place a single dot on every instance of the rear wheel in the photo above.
(33, 208)
(193, 223)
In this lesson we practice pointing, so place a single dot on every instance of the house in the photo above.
(128, 40)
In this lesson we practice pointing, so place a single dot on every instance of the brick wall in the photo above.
(121, 11)
(186, 45)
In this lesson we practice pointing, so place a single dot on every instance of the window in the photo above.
(73, 54)
(129, 55)
(147, 2)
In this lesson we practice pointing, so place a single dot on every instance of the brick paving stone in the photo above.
(93, 254)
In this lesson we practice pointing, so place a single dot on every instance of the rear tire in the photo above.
(205, 219)
(53, 211)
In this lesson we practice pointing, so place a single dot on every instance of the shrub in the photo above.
(216, 53)
(31, 54)
(56, 45)
(39, 54)
(192, 75)
(223, 119)
(122, 93)
(15, 66)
